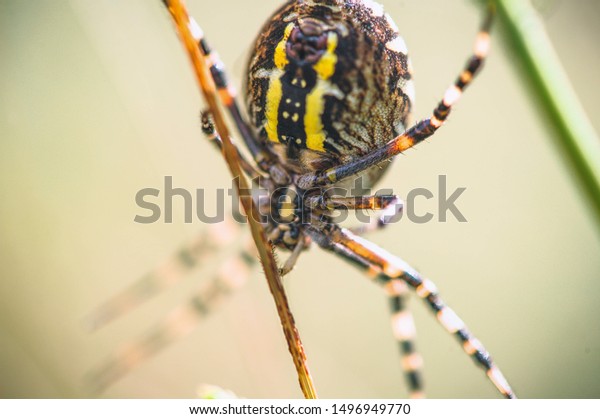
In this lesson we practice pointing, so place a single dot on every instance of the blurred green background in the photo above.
(98, 101)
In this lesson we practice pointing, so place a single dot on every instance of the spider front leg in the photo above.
(418, 132)
(208, 129)
(393, 272)
(291, 261)
(232, 275)
(228, 96)
(389, 207)
(405, 332)
(187, 258)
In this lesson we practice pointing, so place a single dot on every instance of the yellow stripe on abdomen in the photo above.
(315, 101)
(325, 67)
(313, 123)
(280, 57)
(273, 99)
(275, 90)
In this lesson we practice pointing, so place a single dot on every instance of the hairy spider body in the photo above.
(327, 83)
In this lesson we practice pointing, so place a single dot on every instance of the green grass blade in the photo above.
(578, 142)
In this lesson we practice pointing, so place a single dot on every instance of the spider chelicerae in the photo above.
(329, 97)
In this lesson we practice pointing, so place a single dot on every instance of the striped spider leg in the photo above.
(389, 206)
(186, 259)
(395, 275)
(232, 274)
(192, 253)
(419, 131)
(228, 95)
(403, 326)
(180, 321)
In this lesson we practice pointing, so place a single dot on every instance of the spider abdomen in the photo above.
(328, 82)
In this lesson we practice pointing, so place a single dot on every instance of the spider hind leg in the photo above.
(419, 131)
(393, 272)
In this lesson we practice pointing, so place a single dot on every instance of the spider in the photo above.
(329, 97)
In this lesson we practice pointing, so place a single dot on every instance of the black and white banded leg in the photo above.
(419, 131)
(392, 272)
(403, 326)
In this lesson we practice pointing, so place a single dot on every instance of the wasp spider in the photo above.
(329, 95)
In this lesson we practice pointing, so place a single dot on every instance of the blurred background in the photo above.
(98, 101)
